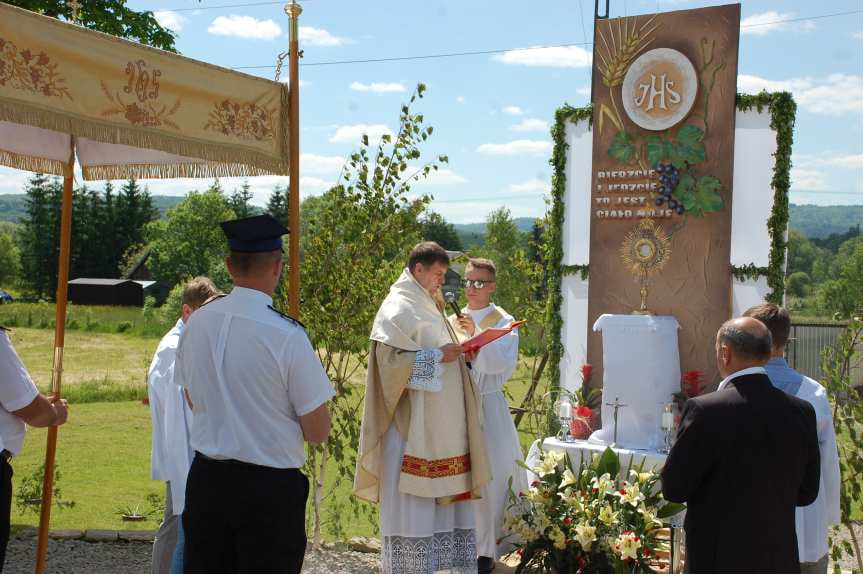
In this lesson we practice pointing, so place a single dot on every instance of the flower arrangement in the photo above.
(583, 421)
(691, 385)
(588, 520)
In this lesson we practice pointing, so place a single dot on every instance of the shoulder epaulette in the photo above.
(286, 317)
(212, 298)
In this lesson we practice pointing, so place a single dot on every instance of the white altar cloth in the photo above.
(579, 449)
(641, 368)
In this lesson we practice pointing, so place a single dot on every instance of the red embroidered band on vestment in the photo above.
(439, 468)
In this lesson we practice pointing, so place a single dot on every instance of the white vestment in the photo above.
(492, 367)
(171, 454)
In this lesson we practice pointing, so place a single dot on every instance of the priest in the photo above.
(422, 453)
(491, 369)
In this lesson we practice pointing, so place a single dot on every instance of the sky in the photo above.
(492, 111)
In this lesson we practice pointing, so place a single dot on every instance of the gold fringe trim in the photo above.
(30, 163)
(222, 160)
(169, 171)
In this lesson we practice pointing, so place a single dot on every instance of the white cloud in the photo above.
(245, 27)
(764, 23)
(773, 21)
(859, 35)
(530, 125)
(513, 110)
(517, 147)
(833, 95)
(846, 161)
(530, 186)
(352, 134)
(320, 37)
(459, 99)
(458, 211)
(557, 57)
(170, 20)
(829, 159)
(321, 164)
(13, 180)
(442, 176)
(583, 91)
(808, 180)
(378, 87)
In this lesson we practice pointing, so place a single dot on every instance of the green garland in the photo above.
(782, 116)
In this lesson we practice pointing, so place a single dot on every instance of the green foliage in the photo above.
(359, 235)
(622, 148)
(816, 221)
(28, 493)
(10, 260)
(108, 16)
(705, 198)
(435, 228)
(189, 242)
(797, 284)
(240, 199)
(838, 363)
(277, 205)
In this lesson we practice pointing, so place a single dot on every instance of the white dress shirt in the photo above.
(16, 392)
(732, 376)
(251, 374)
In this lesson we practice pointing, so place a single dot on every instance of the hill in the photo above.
(823, 220)
(13, 206)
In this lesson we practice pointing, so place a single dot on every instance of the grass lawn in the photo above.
(103, 455)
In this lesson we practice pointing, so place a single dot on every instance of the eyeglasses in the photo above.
(475, 283)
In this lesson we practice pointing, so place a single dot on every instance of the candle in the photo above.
(667, 420)
(565, 411)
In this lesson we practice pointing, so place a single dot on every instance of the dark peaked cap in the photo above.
(254, 234)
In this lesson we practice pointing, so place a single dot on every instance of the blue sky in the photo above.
(492, 112)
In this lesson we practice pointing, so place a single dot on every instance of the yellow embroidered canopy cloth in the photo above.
(129, 110)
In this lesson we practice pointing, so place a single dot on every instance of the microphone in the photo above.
(450, 298)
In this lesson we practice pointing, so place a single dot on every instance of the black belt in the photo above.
(233, 461)
(5, 455)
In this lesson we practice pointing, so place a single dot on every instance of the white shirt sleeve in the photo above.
(427, 373)
(829, 457)
(16, 387)
(307, 382)
(499, 357)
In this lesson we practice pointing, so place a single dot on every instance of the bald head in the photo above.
(742, 343)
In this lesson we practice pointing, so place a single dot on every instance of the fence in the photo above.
(806, 344)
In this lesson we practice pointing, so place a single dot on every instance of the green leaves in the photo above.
(609, 463)
(669, 509)
(622, 147)
(689, 147)
(658, 149)
(705, 198)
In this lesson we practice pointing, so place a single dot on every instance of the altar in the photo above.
(579, 450)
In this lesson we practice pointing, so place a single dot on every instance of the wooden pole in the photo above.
(57, 372)
(293, 11)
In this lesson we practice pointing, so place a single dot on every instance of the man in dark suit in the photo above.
(745, 457)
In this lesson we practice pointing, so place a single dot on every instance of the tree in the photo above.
(363, 230)
(189, 241)
(108, 16)
(277, 206)
(240, 200)
(436, 228)
(797, 284)
(843, 295)
(40, 235)
(10, 259)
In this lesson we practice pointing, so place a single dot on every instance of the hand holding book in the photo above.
(485, 337)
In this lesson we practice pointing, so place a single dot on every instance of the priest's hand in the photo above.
(467, 324)
(451, 352)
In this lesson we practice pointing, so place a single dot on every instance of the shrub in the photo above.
(124, 326)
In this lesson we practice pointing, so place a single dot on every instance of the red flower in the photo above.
(586, 371)
(692, 382)
(581, 562)
(535, 483)
(622, 491)
(584, 412)
(567, 521)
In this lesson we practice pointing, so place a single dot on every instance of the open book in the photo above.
(484, 338)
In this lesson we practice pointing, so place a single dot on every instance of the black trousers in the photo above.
(5, 507)
(243, 519)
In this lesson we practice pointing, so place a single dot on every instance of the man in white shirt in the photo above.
(491, 368)
(813, 522)
(258, 392)
(170, 457)
(20, 403)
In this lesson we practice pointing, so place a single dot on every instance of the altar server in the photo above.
(258, 391)
(422, 452)
(170, 456)
(745, 457)
(814, 521)
(492, 367)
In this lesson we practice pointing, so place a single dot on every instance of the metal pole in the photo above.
(293, 10)
(57, 372)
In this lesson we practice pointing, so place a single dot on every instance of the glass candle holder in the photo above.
(563, 409)
(667, 424)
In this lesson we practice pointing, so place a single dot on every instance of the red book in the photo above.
(481, 340)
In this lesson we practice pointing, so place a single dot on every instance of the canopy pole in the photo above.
(57, 371)
(293, 10)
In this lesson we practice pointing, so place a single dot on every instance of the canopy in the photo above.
(130, 110)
